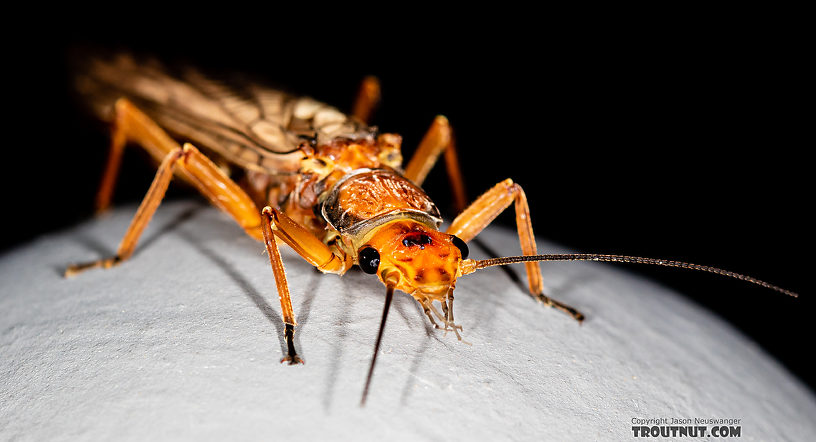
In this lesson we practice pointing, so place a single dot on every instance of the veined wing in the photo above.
(255, 127)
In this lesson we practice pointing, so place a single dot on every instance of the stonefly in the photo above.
(327, 184)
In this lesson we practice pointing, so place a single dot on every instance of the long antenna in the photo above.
(475, 265)
(389, 293)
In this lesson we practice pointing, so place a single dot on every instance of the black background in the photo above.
(681, 139)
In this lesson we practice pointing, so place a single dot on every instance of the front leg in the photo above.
(485, 209)
(276, 224)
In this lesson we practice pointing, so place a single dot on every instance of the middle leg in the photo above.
(368, 96)
(439, 138)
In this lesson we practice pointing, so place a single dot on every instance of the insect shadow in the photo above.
(413, 370)
(337, 353)
(246, 287)
(273, 315)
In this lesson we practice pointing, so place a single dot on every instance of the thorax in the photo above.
(345, 189)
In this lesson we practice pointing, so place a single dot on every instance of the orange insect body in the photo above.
(321, 168)
(330, 186)
(351, 194)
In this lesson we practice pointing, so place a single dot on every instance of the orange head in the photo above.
(414, 258)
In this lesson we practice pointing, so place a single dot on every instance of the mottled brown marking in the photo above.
(420, 276)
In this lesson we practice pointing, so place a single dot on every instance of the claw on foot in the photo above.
(292, 357)
(76, 269)
(578, 316)
(292, 360)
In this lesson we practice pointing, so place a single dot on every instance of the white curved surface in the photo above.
(183, 342)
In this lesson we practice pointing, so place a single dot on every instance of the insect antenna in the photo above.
(473, 265)
(389, 293)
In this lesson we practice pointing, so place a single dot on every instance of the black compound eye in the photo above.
(461, 246)
(369, 259)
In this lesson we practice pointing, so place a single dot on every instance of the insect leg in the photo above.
(287, 311)
(213, 183)
(485, 209)
(194, 167)
(367, 99)
(439, 138)
(305, 243)
(205, 175)
(117, 148)
(276, 224)
(149, 204)
(133, 125)
(426, 307)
